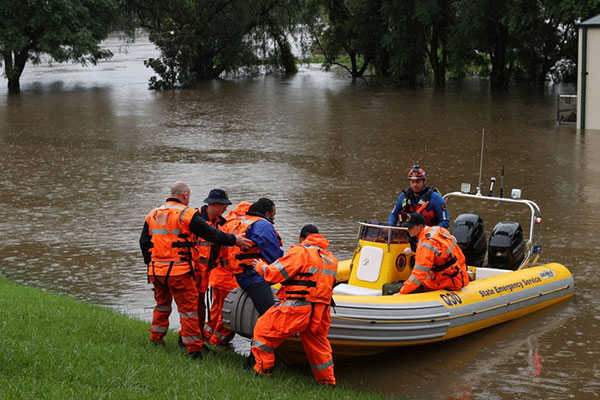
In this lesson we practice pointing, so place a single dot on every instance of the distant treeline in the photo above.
(406, 40)
(411, 41)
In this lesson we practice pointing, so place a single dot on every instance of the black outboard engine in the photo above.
(507, 248)
(469, 232)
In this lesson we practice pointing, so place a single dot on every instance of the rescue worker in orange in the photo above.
(258, 226)
(439, 261)
(205, 253)
(221, 282)
(307, 274)
(166, 246)
(421, 199)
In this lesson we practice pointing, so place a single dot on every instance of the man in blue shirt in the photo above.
(258, 227)
(421, 199)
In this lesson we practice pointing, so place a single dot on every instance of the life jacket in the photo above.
(449, 269)
(314, 282)
(411, 204)
(241, 260)
(169, 229)
(204, 251)
(221, 276)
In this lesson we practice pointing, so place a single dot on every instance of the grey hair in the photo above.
(179, 188)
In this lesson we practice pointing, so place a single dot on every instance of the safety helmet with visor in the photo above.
(416, 173)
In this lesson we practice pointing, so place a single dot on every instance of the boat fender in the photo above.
(239, 313)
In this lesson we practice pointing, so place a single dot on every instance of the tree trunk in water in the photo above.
(287, 58)
(14, 64)
(354, 72)
(438, 66)
(382, 63)
(499, 78)
(14, 86)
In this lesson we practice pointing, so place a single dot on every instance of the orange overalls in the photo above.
(171, 272)
(307, 274)
(221, 282)
(201, 257)
(439, 262)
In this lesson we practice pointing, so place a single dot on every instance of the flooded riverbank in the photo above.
(87, 152)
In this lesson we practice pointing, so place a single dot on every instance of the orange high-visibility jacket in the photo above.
(439, 262)
(169, 229)
(307, 272)
(201, 251)
(221, 277)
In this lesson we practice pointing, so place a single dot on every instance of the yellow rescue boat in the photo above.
(367, 319)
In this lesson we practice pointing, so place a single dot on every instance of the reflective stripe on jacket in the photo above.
(307, 272)
(168, 226)
(439, 262)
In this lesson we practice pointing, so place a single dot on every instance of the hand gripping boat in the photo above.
(505, 284)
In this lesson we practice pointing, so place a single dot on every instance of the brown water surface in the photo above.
(87, 152)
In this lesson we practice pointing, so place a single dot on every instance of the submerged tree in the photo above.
(546, 32)
(405, 40)
(353, 29)
(65, 30)
(202, 39)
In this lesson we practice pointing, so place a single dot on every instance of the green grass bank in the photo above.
(55, 347)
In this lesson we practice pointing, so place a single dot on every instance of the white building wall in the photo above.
(579, 67)
(592, 103)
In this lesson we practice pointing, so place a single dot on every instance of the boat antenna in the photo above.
(480, 183)
(502, 181)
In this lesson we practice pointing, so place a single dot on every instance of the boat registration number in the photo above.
(452, 299)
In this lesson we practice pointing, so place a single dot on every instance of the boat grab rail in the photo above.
(534, 247)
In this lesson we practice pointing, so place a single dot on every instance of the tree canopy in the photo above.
(65, 30)
(404, 40)
(202, 39)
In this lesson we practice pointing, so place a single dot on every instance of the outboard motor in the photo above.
(469, 232)
(507, 248)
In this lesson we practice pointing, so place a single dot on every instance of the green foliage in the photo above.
(57, 348)
(405, 40)
(66, 30)
(202, 39)
(408, 40)
(523, 39)
(353, 28)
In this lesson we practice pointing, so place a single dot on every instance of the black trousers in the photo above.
(259, 291)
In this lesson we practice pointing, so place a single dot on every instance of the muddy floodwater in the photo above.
(87, 152)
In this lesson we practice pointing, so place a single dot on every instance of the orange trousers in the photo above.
(182, 288)
(310, 321)
(201, 278)
(214, 330)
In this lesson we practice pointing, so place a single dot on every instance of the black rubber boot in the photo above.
(250, 362)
